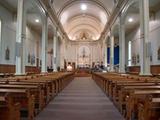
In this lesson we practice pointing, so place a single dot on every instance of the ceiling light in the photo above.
(83, 7)
(130, 20)
(37, 20)
(70, 37)
(97, 37)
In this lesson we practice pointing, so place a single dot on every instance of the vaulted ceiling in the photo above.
(83, 19)
(81, 24)
(134, 14)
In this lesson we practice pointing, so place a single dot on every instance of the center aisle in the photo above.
(82, 99)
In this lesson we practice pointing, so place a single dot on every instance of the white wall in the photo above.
(154, 37)
(50, 56)
(32, 44)
(9, 38)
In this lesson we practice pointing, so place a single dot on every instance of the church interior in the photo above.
(79, 60)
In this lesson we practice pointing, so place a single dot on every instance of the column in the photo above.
(76, 56)
(0, 40)
(91, 46)
(122, 46)
(20, 38)
(144, 43)
(55, 51)
(44, 44)
(65, 52)
(112, 53)
(105, 53)
(62, 47)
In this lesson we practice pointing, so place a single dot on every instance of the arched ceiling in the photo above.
(83, 24)
(134, 13)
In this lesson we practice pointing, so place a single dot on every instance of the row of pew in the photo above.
(136, 97)
(23, 97)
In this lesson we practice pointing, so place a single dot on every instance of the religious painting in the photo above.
(151, 58)
(158, 53)
(93, 64)
(134, 59)
(32, 59)
(37, 62)
(40, 63)
(65, 64)
(29, 58)
(7, 54)
(138, 58)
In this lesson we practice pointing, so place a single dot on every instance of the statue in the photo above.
(29, 58)
(137, 58)
(158, 54)
(84, 53)
(7, 54)
(32, 59)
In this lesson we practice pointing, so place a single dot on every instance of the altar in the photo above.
(84, 57)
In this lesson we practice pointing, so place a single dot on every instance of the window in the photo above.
(129, 53)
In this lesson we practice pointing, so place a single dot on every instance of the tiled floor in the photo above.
(82, 99)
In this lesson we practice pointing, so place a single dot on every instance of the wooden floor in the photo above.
(82, 99)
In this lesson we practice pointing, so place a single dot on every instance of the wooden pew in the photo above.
(119, 85)
(54, 82)
(113, 82)
(125, 91)
(113, 85)
(35, 90)
(43, 87)
(25, 99)
(135, 97)
(40, 91)
(149, 109)
(8, 109)
(52, 87)
(46, 84)
(119, 89)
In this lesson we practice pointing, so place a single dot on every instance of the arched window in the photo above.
(129, 53)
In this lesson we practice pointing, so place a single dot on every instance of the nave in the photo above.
(82, 99)
(45, 44)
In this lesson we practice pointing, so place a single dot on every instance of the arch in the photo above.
(124, 11)
(97, 20)
(87, 25)
(71, 2)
